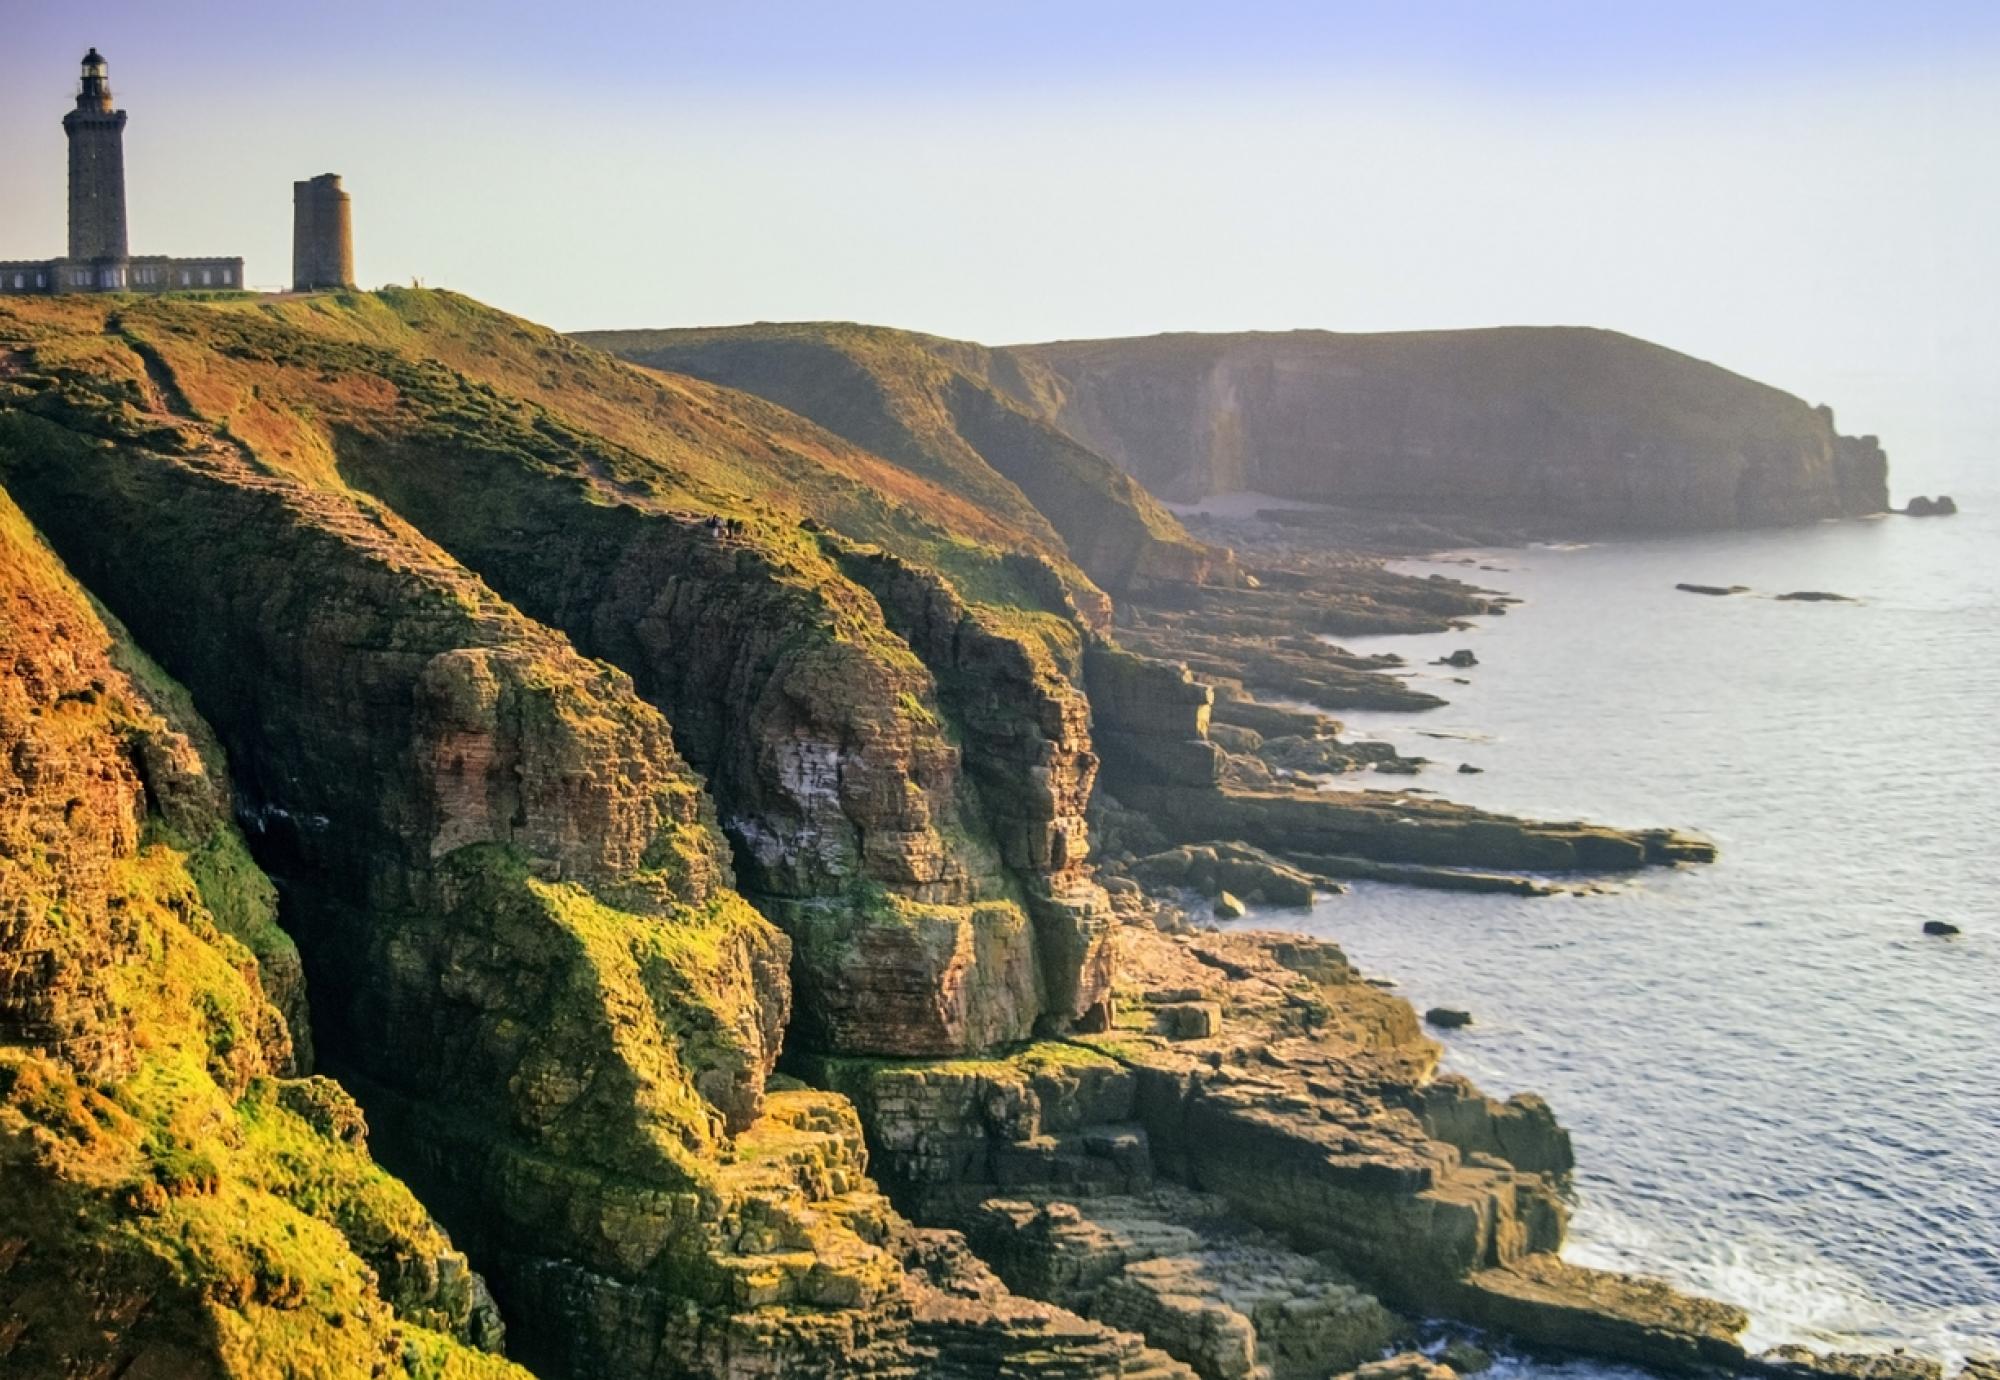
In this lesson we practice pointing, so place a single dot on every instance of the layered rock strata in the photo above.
(916, 928)
(1252, 1190)
(1156, 725)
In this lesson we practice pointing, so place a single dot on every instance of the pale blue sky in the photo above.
(1803, 191)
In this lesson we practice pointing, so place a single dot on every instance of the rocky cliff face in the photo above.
(818, 727)
(176, 1202)
(1586, 430)
(515, 907)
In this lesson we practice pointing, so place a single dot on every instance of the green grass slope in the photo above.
(675, 440)
(929, 405)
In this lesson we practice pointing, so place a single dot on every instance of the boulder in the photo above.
(1940, 927)
(1467, 769)
(1549, 1303)
(1447, 1017)
(1463, 657)
(1227, 907)
(1466, 1358)
(1234, 737)
(1814, 596)
(1190, 1020)
(1227, 869)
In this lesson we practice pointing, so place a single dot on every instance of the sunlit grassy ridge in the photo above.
(931, 406)
(282, 373)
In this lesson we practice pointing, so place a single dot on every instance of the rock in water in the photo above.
(1799, 1362)
(1407, 1365)
(1447, 1017)
(1712, 589)
(1462, 657)
(1814, 596)
(1227, 907)
(1941, 506)
(1467, 769)
(1940, 927)
(1466, 1358)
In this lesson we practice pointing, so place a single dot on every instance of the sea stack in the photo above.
(322, 235)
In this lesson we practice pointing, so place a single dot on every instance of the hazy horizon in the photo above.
(1798, 192)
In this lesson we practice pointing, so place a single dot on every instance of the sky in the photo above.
(1802, 191)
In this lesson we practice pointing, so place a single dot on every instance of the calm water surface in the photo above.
(1782, 1094)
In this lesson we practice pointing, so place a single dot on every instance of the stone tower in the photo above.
(96, 168)
(322, 235)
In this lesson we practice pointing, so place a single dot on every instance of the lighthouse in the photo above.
(100, 257)
(96, 133)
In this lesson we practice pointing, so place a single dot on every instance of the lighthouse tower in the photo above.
(96, 170)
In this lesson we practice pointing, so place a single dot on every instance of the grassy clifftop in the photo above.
(675, 441)
(930, 405)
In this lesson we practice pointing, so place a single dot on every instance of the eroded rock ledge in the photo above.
(1255, 1167)
(1170, 783)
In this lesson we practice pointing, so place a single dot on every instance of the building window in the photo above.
(41, 280)
(20, 281)
(227, 275)
(186, 278)
(204, 277)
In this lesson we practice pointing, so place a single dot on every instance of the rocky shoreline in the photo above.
(1259, 1169)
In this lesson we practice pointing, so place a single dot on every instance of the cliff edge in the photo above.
(1587, 431)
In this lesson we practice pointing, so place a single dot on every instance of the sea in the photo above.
(1782, 1093)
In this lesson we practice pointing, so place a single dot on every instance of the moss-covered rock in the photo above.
(175, 1205)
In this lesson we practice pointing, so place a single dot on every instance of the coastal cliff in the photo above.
(930, 404)
(483, 814)
(1571, 430)
(179, 1199)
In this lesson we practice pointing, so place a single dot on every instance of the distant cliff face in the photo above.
(1591, 429)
